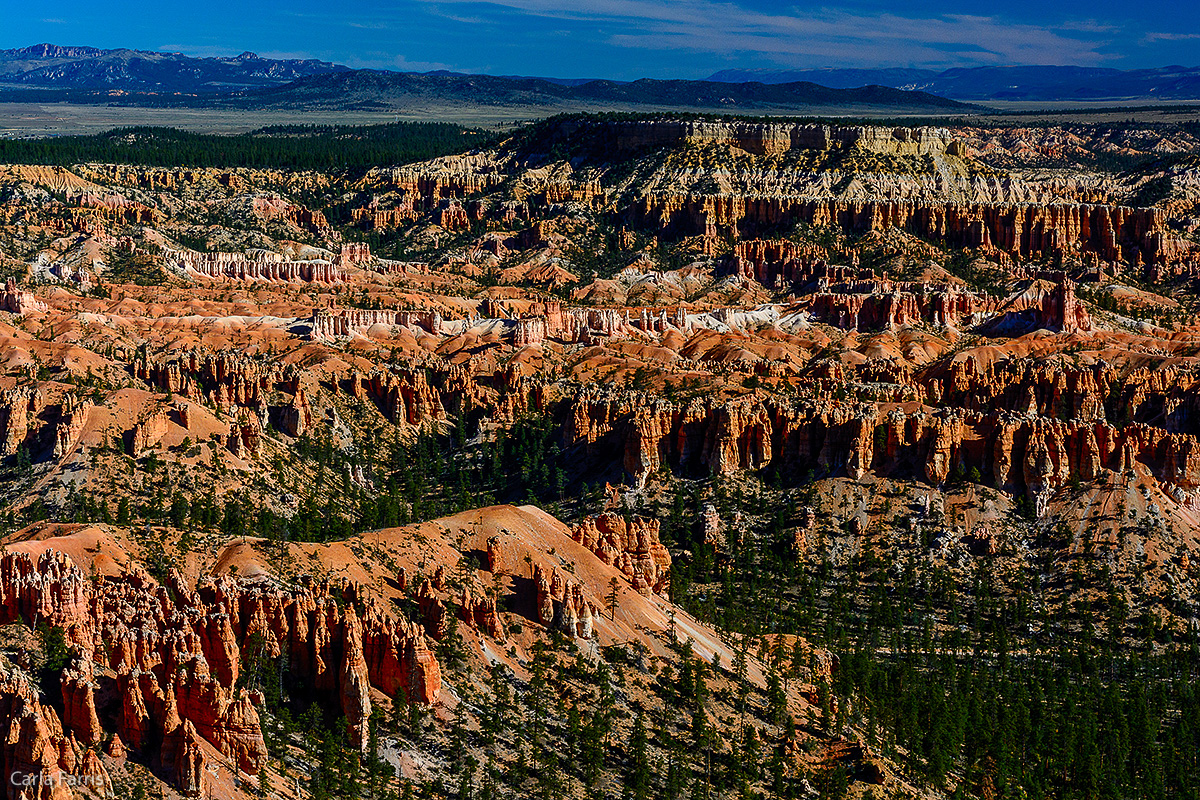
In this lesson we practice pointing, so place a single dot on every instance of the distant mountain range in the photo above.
(54, 67)
(138, 77)
(1000, 83)
(371, 90)
(47, 72)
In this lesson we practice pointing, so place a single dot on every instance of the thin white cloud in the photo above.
(461, 18)
(1087, 26)
(824, 36)
(399, 63)
(1151, 38)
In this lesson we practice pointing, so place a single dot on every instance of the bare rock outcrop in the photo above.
(189, 773)
(253, 266)
(71, 422)
(296, 418)
(1114, 234)
(149, 431)
(79, 703)
(560, 603)
(354, 683)
(16, 407)
(631, 545)
(19, 301)
(34, 752)
(94, 777)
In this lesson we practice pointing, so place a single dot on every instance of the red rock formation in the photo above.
(223, 716)
(149, 431)
(776, 262)
(433, 610)
(1062, 390)
(404, 396)
(630, 545)
(277, 208)
(296, 419)
(544, 599)
(237, 379)
(530, 331)
(870, 305)
(176, 656)
(1114, 233)
(116, 749)
(481, 612)
(189, 773)
(245, 434)
(380, 219)
(71, 422)
(452, 216)
(50, 589)
(15, 407)
(79, 703)
(424, 188)
(93, 777)
(166, 178)
(398, 657)
(18, 301)
(560, 603)
(354, 684)
(327, 325)
(354, 253)
(707, 435)
(32, 751)
(133, 724)
(1062, 311)
(711, 531)
(769, 137)
(253, 266)
(579, 324)
(798, 436)
(120, 210)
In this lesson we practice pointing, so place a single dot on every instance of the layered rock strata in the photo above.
(1115, 234)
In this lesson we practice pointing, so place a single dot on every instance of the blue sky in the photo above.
(629, 38)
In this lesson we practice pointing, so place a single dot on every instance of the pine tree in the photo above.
(466, 782)
(778, 769)
(740, 670)
(612, 599)
(487, 788)
(123, 515)
(776, 698)
(638, 774)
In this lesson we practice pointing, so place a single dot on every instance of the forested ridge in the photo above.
(308, 147)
